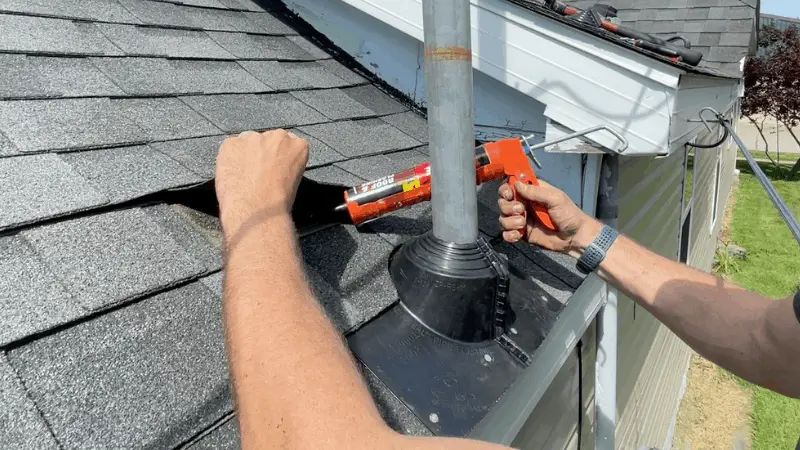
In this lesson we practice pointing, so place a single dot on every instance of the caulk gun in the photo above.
(507, 158)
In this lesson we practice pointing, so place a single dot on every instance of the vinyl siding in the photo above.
(652, 360)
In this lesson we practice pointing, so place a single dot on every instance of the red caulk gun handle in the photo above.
(510, 154)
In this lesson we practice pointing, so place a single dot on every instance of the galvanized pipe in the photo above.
(448, 78)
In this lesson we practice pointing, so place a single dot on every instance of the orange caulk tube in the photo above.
(493, 161)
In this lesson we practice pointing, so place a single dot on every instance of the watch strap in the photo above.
(595, 253)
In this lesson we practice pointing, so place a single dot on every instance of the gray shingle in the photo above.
(666, 27)
(226, 437)
(725, 54)
(374, 167)
(38, 34)
(182, 230)
(151, 76)
(698, 13)
(253, 46)
(309, 47)
(198, 155)
(31, 298)
(399, 226)
(361, 137)
(152, 374)
(269, 24)
(36, 187)
(159, 13)
(694, 26)
(318, 152)
(355, 265)
(23, 428)
(165, 118)
(244, 5)
(41, 76)
(209, 19)
(734, 39)
(102, 10)
(108, 258)
(214, 283)
(125, 173)
(334, 104)
(342, 72)
(740, 26)
(203, 3)
(36, 125)
(294, 75)
(709, 39)
(731, 13)
(148, 41)
(375, 99)
(237, 112)
(409, 123)
(6, 147)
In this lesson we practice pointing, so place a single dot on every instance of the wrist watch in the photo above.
(595, 253)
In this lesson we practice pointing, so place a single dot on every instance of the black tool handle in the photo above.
(660, 46)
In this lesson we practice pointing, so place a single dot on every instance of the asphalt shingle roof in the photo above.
(111, 114)
(720, 29)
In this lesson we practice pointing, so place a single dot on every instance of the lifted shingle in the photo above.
(374, 167)
(361, 137)
(31, 298)
(354, 264)
(23, 428)
(198, 155)
(294, 75)
(108, 258)
(334, 104)
(125, 173)
(333, 175)
(254, 46)
(375, 99)
(37, 187)
(43, 76)
(154, 76)
(238, 112)
(102, 10)
(148, 41)
(42, 35)
(152, 374)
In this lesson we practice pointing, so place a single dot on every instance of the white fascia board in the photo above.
(584, 80)
(695, 93)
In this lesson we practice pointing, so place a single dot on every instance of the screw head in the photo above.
(513, 331)
(487, 357)
(434, 418)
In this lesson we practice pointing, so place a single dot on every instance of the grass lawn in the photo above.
(772, 268)
(785, 157)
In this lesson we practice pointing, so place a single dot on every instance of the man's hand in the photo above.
(576, 229)
(257, 176)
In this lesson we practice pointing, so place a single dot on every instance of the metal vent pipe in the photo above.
(448, 77)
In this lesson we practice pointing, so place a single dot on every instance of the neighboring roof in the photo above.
(111, 114)
(721, 29)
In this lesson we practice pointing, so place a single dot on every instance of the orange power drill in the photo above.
(493, 161)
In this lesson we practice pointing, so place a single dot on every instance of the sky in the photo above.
(788, 8)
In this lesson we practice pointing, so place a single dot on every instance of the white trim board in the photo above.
(581, 79)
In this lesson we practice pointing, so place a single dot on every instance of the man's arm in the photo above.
(295, 383)
(748, 334)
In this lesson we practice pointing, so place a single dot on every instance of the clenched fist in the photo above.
(258, 175)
